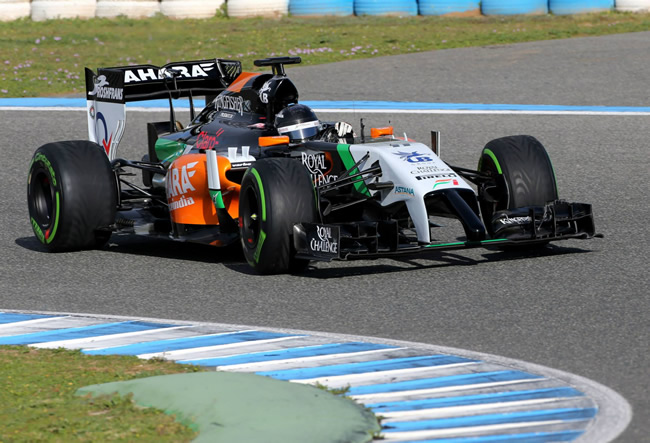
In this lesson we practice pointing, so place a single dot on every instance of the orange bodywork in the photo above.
(241, 80)
(188, 195)
(273, 140)
(378, 132)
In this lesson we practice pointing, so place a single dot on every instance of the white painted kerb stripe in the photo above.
(271, 365)
(177, 354)
(455, 411)
(465, 431)
(373, 377)
(84, 343)
(406, 395)
(29, 322)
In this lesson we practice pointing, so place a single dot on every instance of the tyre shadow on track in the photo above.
(434, 261)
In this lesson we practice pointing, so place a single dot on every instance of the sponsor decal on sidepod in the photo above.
(178, 184)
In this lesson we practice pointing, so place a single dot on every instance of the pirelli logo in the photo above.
(432, 176)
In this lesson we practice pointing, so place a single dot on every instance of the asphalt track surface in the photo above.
(577, 306)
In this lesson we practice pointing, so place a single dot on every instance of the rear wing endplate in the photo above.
(109, 89)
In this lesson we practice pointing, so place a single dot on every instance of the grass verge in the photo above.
(47, 58)
(37, 402)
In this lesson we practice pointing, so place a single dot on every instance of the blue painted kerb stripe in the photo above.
(366, 366)
(528, 437)
(10, 317)
(479, 399)
(97, 330)
(563, 414)
(176, 344)
(290, 353)
(444, 382)
(79, 102)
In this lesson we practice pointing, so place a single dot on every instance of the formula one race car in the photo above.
(290, 191)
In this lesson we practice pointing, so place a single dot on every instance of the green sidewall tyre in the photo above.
(523, 175)
(276, 193)
(71, 195)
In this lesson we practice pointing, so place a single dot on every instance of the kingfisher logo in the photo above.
(414, 157)
(444, 182)
(264, 92)
(230, 103)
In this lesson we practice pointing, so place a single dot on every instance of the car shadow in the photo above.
(157, 247)
(232, 257)
(435, 260)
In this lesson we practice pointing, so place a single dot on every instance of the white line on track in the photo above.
(374, 111)
(480, 111)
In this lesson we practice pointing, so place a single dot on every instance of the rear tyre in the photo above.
(275, 194)
(71, 195)
(523, 176)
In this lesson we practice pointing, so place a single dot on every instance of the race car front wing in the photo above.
(554, 221)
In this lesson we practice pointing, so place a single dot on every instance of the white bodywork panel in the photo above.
(106, 123)
(415, 171)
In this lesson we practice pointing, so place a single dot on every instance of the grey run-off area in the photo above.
(581, 307)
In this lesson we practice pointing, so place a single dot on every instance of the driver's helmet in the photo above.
(298, 122)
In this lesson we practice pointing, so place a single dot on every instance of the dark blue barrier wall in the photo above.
(442, 7)
(386, 7)
(321, 7)
(512, 7)
(564, 7)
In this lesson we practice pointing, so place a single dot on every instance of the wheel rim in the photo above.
(488, 208)
(250, 218)
(42, 199)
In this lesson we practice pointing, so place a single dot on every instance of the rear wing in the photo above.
(108, 91)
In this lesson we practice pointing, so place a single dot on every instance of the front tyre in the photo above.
(522, 175)
(276, 193)
(71, 195)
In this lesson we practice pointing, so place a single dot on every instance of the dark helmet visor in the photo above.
(300, 131)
